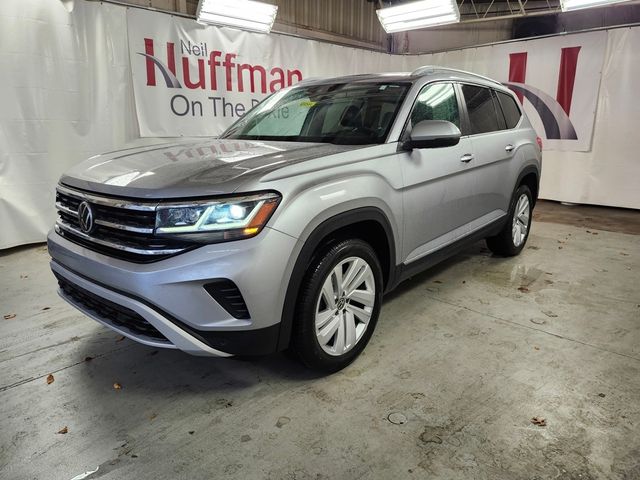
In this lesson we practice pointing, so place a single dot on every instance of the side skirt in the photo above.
(406, 271)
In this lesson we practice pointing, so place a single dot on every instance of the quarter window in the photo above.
(436, 102)
(509, 109)
(483, 116)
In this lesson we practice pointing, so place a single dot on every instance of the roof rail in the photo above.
(431, 69)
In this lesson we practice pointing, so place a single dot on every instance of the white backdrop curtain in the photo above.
(66, 93)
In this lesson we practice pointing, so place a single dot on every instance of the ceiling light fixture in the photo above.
(414, 15)
(242, 14)
(569, 5)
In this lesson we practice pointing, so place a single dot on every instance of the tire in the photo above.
(329, 332)
(513, 237)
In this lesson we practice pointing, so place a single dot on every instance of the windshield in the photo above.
(347, 113)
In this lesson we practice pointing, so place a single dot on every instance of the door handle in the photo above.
(509, 148)
(467, 157)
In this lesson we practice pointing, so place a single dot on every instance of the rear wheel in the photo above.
(511, 240)
(339, 306)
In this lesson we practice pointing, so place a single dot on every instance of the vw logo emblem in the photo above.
(85, 217)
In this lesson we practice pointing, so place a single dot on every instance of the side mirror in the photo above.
(432, 134)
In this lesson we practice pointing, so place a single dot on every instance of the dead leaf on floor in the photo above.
(117, 386)
(88, 359)
(539, 421)
(536, 348)
(120, 338)
(63, 431)
(9, 316)
(24, 276)
(594, 233)
(437, 281)
(46, 308)
(152, 416)
(523, 289)
(559, 248)
(624, 254)
(50, 379)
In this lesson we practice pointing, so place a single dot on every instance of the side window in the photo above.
(481, 108)
(509, 109)
(436, 102)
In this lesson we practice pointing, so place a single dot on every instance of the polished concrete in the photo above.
(463, 358)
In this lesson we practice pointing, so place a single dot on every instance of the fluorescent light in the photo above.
(414, 15)
(243, 14)
(568, 5)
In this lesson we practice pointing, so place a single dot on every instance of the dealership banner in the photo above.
(96, 87)
(192, 80)
(556, 78)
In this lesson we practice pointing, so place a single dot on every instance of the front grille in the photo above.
(109, 311)
(122, 229)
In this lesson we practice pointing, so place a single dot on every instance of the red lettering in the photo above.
(252, 71)
(291, 74)
(151, 71)
(567, 77)
(518, 70)
(276, 83)
(187, 75)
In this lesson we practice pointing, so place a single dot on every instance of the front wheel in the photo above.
(339, 306)
(511, 240)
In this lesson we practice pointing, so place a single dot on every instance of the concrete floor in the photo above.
(467, 354)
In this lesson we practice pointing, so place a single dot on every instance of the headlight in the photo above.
(224, 219)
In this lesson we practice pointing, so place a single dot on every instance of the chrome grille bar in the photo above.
(116, 246)
(106, 223)
(108, 202)
(122, 228)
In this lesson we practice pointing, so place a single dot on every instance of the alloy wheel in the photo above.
(520, 225)
(345, 305)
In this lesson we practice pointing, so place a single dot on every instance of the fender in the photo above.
(306, 256)
(526, 171)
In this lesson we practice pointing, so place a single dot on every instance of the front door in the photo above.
(437, 186)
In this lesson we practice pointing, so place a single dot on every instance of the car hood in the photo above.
(189, 168)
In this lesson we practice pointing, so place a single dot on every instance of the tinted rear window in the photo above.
(509, 109)
(483, 116)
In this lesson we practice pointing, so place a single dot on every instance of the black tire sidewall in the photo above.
(305, 341)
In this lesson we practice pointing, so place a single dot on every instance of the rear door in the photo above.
(494, 145)
(438, 189)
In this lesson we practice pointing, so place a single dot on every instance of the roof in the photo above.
(437, 72)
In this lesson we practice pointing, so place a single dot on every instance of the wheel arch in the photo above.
(355, 223)
(530, 176)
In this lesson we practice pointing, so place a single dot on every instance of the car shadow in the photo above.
(134, 366)
(143, 369)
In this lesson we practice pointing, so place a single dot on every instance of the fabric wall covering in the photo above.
(75, 83)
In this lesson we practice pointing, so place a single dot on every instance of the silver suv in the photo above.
(286, 231)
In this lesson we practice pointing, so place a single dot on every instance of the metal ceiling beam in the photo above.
(473, 11)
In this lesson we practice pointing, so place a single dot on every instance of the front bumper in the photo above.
(169, 294)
